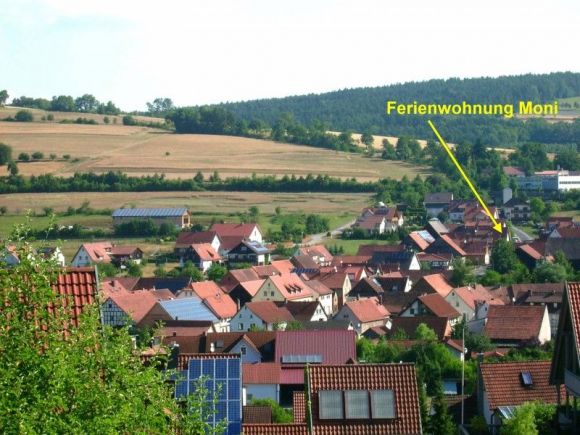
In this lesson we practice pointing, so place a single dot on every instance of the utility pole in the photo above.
(462, 368)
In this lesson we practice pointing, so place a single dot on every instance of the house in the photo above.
(567, 240)
(236, 276)
(323, 294)
(294, 349)
(436, 228)
(386, 398)
(220, 303)
(104, 252)
(517, 210)
(253, 346)
(380, 219)
(248, 231)
(187, 238)
(435, 261)
(418, 240)
(318, 253)
(52, 253)
(179, 217)
(509, 326)
(287, 287)
(437, 203)
(446, 245)
(191, 308)
(364, 314)
(254, 414)
(174, 285)
(311, 311)
(122, 307)
(408, 325)
(502, 387)
(266, 315)
(338, 282)
(565, 367)
(432, 305)
(262, 381)
(401, 259)
(472, 301)
(248, 251)
(366, 288)
(548, 294)
(172, 329)
(223, 373)
(244, 292)
(202, 255)
(533, 254)
(433, 283)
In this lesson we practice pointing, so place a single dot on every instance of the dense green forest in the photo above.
(363, 109)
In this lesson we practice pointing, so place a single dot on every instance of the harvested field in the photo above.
(140, 150)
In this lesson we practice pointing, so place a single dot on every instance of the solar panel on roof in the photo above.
(302, 359)
(149, 212)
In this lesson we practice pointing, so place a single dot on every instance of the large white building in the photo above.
(550, 181)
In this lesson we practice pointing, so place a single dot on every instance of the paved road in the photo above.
(316, 239)
(522, 235)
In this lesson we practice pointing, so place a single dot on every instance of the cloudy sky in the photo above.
(199, 52)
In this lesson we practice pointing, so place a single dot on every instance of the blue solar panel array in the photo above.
(223, 379)
(188, 309)
(149, 212)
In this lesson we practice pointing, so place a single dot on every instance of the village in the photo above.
(264, 317)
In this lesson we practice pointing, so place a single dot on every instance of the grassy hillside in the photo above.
(141, 150)
(10, 111)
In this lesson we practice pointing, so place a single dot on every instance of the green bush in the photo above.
(24, 116)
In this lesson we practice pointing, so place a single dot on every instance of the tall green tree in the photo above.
(87, 380)
(440, 422)
(5, 154)
(503, 257)
(3, 97)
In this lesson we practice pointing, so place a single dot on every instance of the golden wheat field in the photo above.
(140, 150)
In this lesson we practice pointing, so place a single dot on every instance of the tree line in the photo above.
(86, 103)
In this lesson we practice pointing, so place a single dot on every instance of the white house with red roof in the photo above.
(287, 287)
(249, 231)
(364, 314)
(264, 315)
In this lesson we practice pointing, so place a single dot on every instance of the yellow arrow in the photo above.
(496, 225)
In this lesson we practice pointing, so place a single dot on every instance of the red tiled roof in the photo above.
(320, 288)
(282, 266)
(275, 429)
(98, 251)
(222, 305)
(439, 325)
(503, 383)
(252, 287)
(205, 289)
(230, 242)
(419, 241)
(453, 245)
(304, 262)
(236, 276)
(513, 171)
(291, 286)
(368, 310)
(316, 251)
(511, 322)
(343, 260)
(188, 238)
(333, 280)
(369, 250)
(370, 223)
(265, 271)
(80, 284)
(478, 293)
(438, 283)
(269, 312)
(439, 306)
(573, 293)
(257, 414)
(572, 232)
(530, 251)
(136, 304)
(229, 339)
(238, 230)
(299, 406)
(124, 250)
(401, 378)
(206, 252)
(292, 376)
(261, 373)
(335, 346)
(302, 311)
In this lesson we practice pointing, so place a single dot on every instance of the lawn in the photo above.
(351, 246)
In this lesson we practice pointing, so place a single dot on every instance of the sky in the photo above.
(204, 52)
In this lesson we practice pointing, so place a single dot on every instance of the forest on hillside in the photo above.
(363, 109)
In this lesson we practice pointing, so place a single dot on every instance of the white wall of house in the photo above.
(326, 302)
(459, 304)
(411, 311)
(545, 329)
(244, 319)
(215, 243)
(415, 264)
(81, 258)
(205, 265)
(112, 314)
(248, 353)
(433, 211)
(319, 315)
(262, 391)
(256, 235)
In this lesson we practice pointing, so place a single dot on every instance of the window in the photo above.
(243, 350)
(241, 327)
(357, 403)
(383, 404)
(527, 379)
(271, 293)
(330, 405)
(412, 311)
